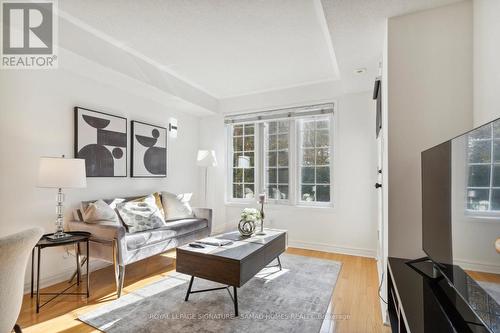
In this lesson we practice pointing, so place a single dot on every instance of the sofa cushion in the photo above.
(171, 230)
(140, 239)
(186, 226)
(99, 211)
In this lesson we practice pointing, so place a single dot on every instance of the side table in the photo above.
(76, 238)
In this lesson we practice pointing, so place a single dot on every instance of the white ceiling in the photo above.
(209, 51)
(226, 47)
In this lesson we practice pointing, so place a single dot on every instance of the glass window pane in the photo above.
(479, 175)
(273, 142)
(307, 193)
(308, 157)
(272, 158)
(272, 176)
(323, 175)
(496, 176)
(308, 139)
(479, 151)
(283, 126)
(308, 125)
(496, 129)
(237, 144)
(496, 151)
(283, 192)
(238, 130)
(272, 127)
(283, 158)
(272, 191)
(237, 175)
(283, 141)
(322, 138)
(495, 200)
(322, 124)
(322, 156)
(249, 143)
(283, 175)
(250, 157)
(478, 199)
(248, 191)
(307, 175)
(237, 191)
(236, 158)
(249, 129)
(249, 175)
(323, 193)
(483, 132)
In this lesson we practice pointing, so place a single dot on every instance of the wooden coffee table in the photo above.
(233, 264)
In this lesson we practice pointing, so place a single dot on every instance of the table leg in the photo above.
(88, 270)
(279, 262)
(189, 289)
(235, 292)
(78, 264)
(32, 269)
(38, 281)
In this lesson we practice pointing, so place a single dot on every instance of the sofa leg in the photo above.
(17, 329)
(120, 276)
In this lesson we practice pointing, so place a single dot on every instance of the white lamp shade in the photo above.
(59, 172)
(206, 158)
(244, 162)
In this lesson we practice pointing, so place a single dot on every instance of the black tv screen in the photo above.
(461, 217)
(436, 203)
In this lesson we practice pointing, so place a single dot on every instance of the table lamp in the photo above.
(60, 172)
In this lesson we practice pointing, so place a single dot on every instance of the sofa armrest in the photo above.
(103, 230)
(204, 213)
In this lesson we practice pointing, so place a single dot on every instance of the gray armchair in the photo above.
(112, 243)
(14, 253)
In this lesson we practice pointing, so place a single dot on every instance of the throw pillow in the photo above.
(98, 211)
(177, 206)
(157, 200)
(141, 215)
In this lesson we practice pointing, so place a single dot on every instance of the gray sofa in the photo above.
(113, 243)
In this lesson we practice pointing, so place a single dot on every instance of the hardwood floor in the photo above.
(354, 302)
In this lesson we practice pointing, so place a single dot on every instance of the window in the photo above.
(287, 155)
(314, 159)
(277, 138)
(483, 181)
(243, 161)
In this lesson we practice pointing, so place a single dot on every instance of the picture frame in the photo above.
(149, 146)
(101, 139)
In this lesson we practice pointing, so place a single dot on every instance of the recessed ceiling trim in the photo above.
(79, 23)
(320, 13)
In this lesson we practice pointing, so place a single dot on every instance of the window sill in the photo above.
(275, 206)
(483, 216)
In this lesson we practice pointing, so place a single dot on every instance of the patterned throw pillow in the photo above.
(177, 206)
(98, 211)
(157, 197)
(141, 215)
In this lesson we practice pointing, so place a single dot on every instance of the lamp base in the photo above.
(58, 236)
(260, 233)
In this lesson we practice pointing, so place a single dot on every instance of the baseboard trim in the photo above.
(353, 251)
(63, 276)
(478, 266)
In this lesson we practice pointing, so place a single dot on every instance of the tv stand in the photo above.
(419, 304)
(425, 267)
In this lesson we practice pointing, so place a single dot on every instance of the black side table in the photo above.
(76, 238)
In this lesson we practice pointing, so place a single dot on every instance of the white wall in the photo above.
(486, 61)
(429, 65)
(36, 119)
(351, 226)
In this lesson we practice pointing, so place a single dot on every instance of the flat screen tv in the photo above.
(461, 217)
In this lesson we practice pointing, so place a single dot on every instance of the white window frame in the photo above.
(293, 168)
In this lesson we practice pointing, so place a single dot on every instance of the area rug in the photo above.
(294, 299)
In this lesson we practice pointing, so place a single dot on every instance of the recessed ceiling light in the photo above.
(360, 71)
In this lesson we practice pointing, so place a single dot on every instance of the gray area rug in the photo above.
(295, 299)
(493, 289)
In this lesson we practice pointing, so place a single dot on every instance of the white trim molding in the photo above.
(477, 266)
(353, 251)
